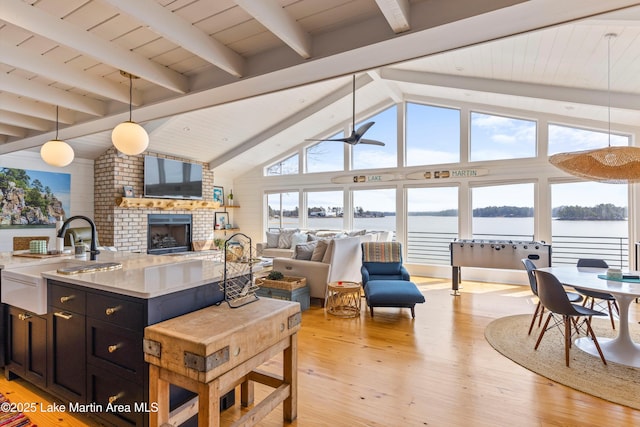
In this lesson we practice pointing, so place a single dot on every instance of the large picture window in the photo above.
(288, 166)
(325, 156)
(385, 130)
(503, 212)
(499, 138)
(566, 139)
(283, 210)
(325, 210)
(433, 135)
(374, 210)
(589, 220)
(432, 222)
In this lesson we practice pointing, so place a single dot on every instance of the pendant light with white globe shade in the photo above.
(129, 137)
(56, 152)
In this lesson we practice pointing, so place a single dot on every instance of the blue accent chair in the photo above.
(386, 282)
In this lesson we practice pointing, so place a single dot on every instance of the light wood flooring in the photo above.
(436, 370)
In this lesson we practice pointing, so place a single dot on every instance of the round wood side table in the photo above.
(343, 299)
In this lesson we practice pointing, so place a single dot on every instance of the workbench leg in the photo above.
(158, 393)
(209, 404)
(246, 393)
(290, 374)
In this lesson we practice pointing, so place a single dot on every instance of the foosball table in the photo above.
(501, 254)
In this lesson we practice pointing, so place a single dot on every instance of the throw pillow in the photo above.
(304, 251)
(272, 239)
(298, 239)
(284, 240)
(326, 258)
(319, 251)
(357, 233)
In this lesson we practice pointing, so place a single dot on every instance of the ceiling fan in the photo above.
(356, 134)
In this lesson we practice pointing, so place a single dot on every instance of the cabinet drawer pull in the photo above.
(114, 347)
(116, 397)
(24, 316)
(67, 298)
(110, 310)
(63, 315)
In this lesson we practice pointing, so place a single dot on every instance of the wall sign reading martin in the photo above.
(453, 173)
(33, 198)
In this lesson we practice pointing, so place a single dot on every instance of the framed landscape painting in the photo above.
(33, 198)
(218, 195)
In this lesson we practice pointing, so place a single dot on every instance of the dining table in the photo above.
(620, 349)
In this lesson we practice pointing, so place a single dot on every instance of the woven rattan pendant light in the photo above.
(616, 165)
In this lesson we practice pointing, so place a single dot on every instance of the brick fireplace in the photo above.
(126, 228)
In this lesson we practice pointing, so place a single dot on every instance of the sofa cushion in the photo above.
(320, 250)
(298, 239)
(285, 238)
(272, 239)
(304, 250)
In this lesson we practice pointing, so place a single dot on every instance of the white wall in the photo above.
(81, 171)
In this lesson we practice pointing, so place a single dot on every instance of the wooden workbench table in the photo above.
(211, 351)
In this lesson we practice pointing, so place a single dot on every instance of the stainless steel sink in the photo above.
(25, 288)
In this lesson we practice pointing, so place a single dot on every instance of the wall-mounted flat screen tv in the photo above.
(172, 179)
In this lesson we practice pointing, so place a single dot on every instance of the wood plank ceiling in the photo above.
(230, 81)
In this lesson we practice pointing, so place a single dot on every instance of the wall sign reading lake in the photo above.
(31, 198)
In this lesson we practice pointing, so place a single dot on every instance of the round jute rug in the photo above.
(616, 383)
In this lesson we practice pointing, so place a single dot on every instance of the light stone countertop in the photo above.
(141, 275)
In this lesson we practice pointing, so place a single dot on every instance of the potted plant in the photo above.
(219, 243)
(275, 275)
(230, 198)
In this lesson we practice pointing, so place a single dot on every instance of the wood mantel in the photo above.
(165, 204)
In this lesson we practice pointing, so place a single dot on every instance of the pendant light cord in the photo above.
(609, 85)
(56, 122)
(130, 95)
(353, 105)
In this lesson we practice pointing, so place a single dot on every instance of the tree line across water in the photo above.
(600, 212)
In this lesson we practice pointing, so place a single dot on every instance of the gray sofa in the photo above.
(341, 261)
(278, 246)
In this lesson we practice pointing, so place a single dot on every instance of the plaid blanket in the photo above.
(381, 252)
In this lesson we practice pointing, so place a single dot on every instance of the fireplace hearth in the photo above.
(168, 233)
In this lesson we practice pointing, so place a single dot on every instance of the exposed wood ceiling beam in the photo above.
(39, 22)
(51, 95)
(270, 14)
(172, 27)
(529, 90)
(12, 131)
(14, 119)
(392, 90)
(396, 12)
(62, 73)
(32, 108)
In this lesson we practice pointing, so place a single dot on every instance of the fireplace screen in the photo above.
(169, 233)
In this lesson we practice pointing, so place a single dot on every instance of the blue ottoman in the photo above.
(392, 293)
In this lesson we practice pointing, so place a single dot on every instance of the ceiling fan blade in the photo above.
(364, 128)
(371, 142)
(336, 139)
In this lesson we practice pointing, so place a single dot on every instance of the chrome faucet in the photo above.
(93, 251)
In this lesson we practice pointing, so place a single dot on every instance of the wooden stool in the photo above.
(211, 351)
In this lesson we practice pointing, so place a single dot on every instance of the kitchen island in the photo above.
(87, 348)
